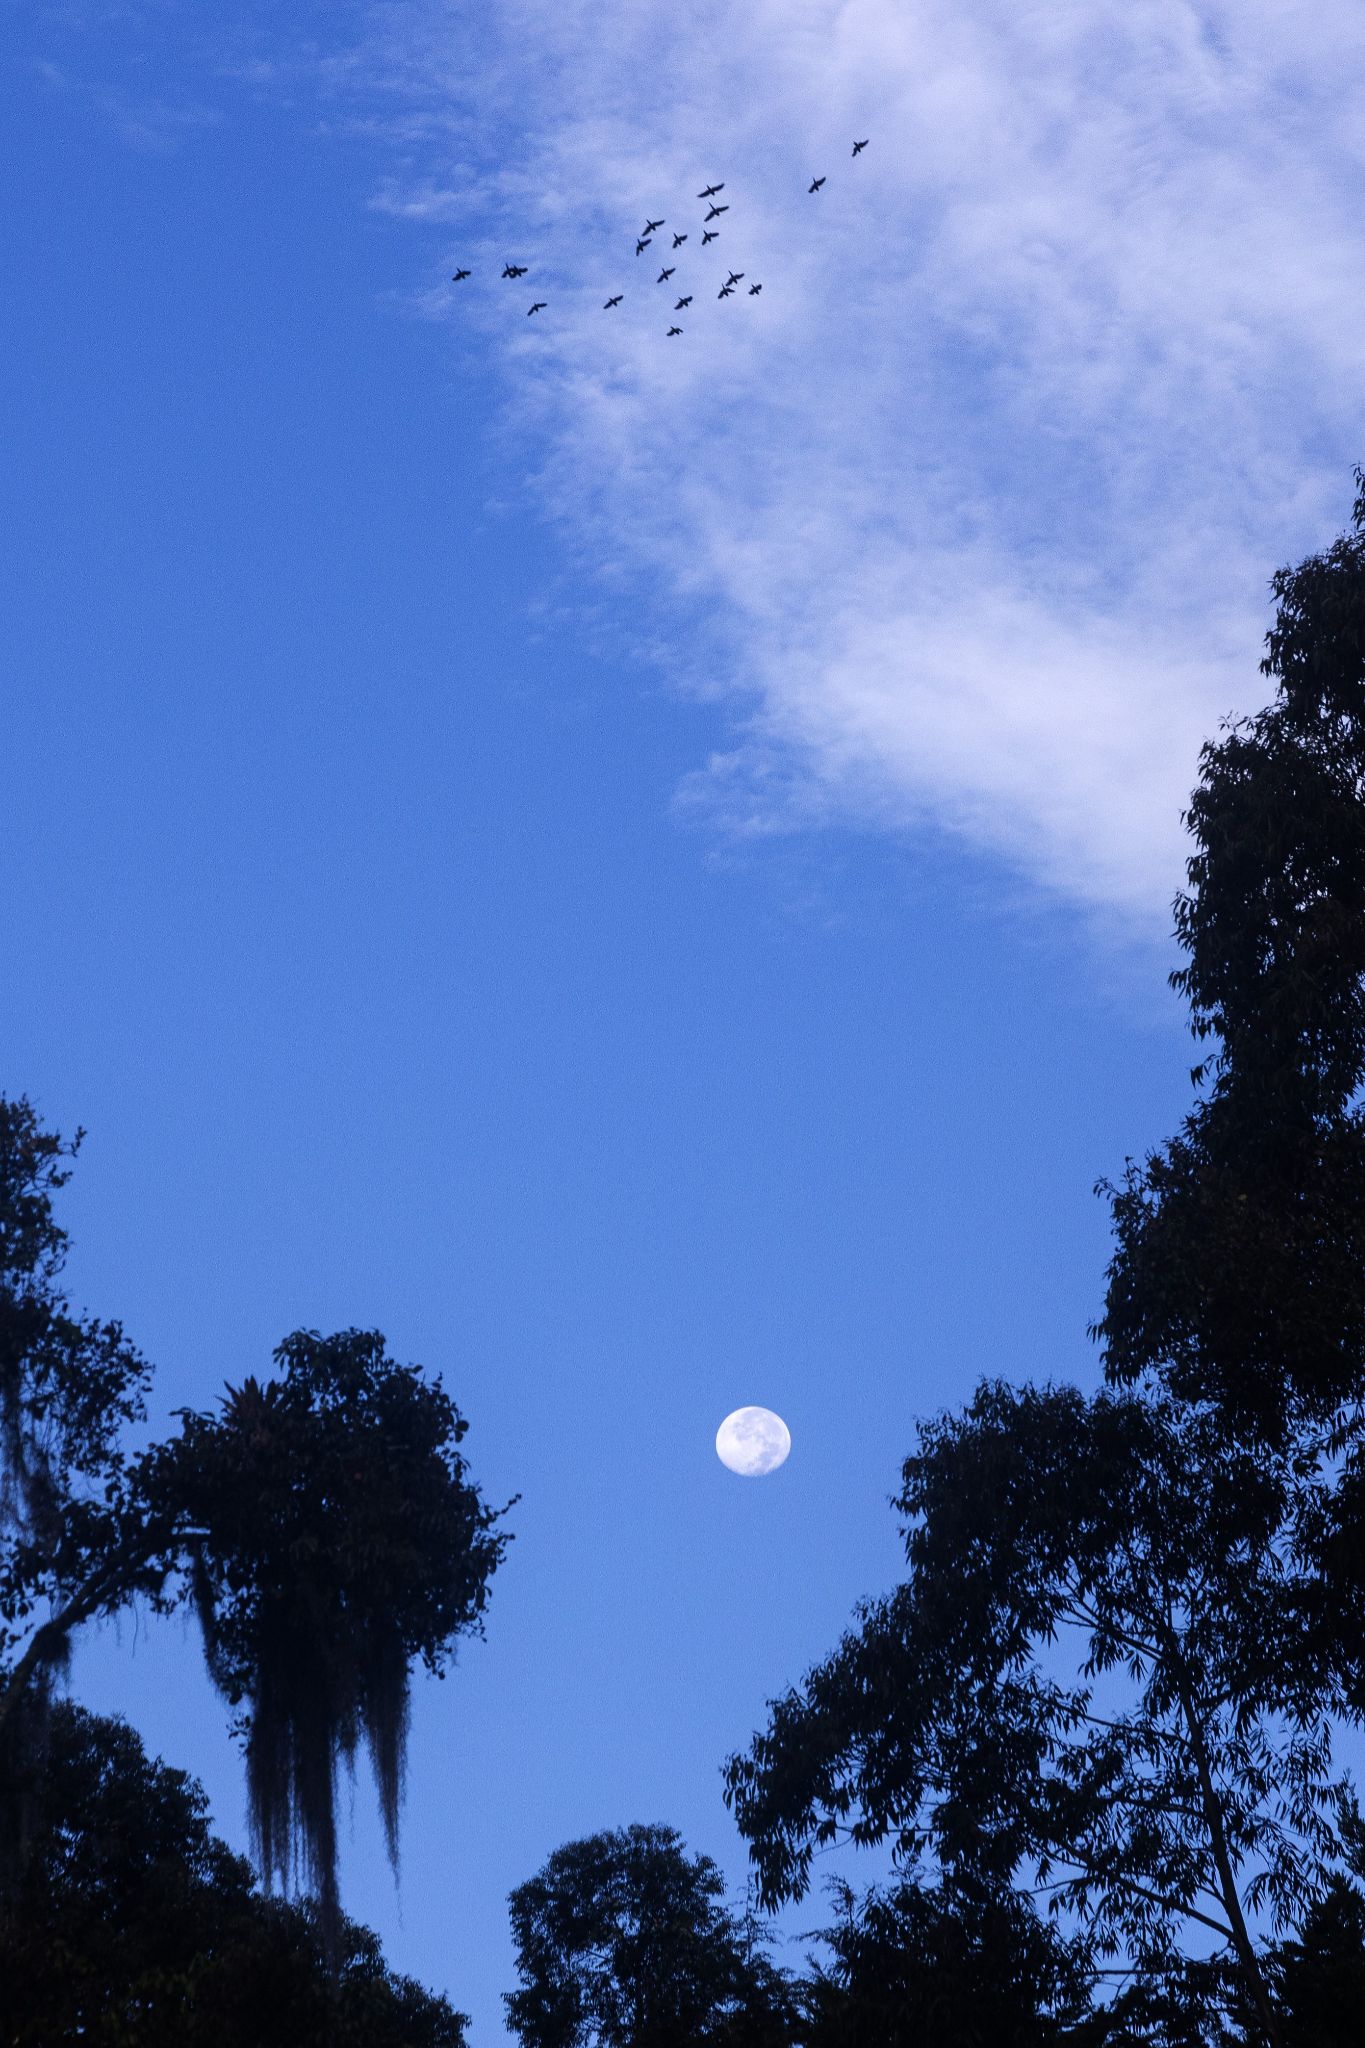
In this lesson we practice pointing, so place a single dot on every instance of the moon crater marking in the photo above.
(752, 1442)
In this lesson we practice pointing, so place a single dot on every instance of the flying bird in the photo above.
(716, 210)
(858, 147)
(683, 302)
(514, 270)
(675, 330)
(642, 244)
(709, 237)
(815, 184)
(458, 275)
(678, 241)
(664, 275)
(650, 226)
(539, 307)
(734, 277)
(613, 302)
(754, 290)
(727, 291)
(712, 190)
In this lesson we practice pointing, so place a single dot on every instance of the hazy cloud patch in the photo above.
(977, 504)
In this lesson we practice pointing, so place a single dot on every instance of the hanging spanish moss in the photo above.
(323, 1524)
(314, 1698)
(340, 1539)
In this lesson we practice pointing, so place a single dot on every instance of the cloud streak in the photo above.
(978, 503)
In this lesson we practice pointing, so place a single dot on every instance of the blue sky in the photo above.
(643, 875)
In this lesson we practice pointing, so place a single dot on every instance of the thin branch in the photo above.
(45, 1643)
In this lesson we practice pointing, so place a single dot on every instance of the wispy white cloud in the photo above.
(146, 121)
(979, 500)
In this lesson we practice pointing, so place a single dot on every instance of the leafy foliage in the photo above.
(1096, 1682)
(916, 1964)
(1240, 1245)
(68, 1385)
(336, 1539)
(1131, 1623)
(623, 1941)
(133, 1924)
(68, 1388)
(324, 1525)
(1320, 1976)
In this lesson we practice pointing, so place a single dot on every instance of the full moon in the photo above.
(753, 1441)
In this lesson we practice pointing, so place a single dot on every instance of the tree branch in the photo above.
(1213, 1820)
(107, 1584)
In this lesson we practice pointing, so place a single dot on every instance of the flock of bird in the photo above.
(645, 239)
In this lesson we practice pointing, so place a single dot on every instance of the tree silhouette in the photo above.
(1132, 1622)
(323, 1525)
(1240, 1244)
(623, 1941)
(1321, 1974)
(132, 1923)
(1093, 1684)
(915, 1964)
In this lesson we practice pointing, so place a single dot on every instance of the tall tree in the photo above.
(1238, 1275)
(623, 1940)
(132, 1923)
(1240, 1244)
(1093, 1684)
(324, 1525)
(1197, 1531)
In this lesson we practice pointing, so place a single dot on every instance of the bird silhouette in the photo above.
(650, 226)
(727, 291)
(678, 241)
(675, 330)
(642, 244)
(458, 275)
(715, 210)
(858, 147)
(712, 190)
(734, 277)
(664, 275)
(709, 237)
(815, 184)
(539, 307)
(613, 302)
(683, 302)
(754, 290)
(514, 270)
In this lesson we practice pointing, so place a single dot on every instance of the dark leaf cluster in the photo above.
(623, 1940)
(323, 1523)
(135, 1927)
(332, 1539)
(1240, 1244)
(912, 1964)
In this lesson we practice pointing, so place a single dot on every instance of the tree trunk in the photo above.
(1257, 1988)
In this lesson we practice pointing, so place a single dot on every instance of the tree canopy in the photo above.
(133, 1924)
(1092, 1685)
(324, 1525)
(913, 1964)
(1240, 1244)
(623, 1940)
(1132, 1621)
